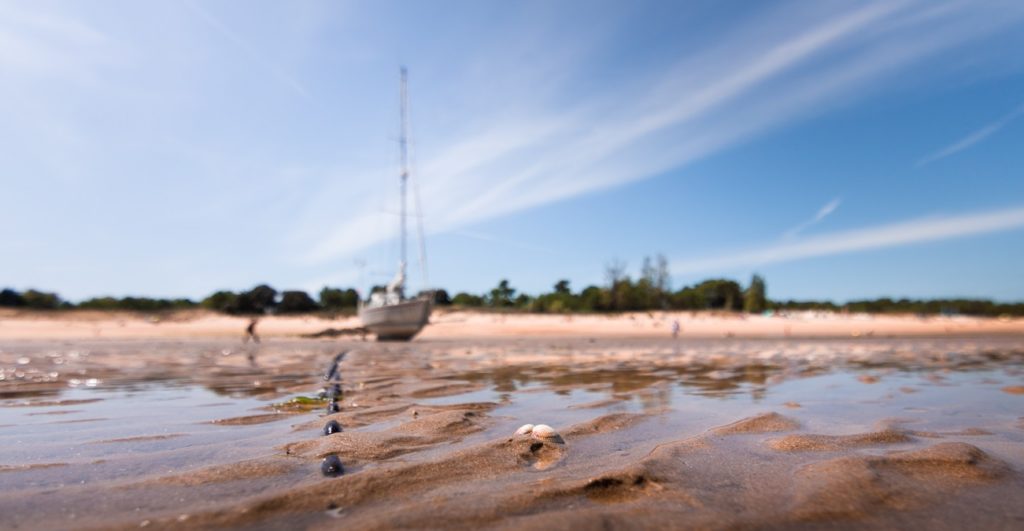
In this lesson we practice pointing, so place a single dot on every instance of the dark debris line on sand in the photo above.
(339, 332)
(331, 465)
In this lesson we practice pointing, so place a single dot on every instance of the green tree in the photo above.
(591, 299)
(441, 298)
(260, 299)
(336, 299)
(11, 298)
(502, 295)
(644, 296)
(662, 282)
(615, 273)
(296, 302)
(754, 299)
(136, 304)
(688, 298)
(558, 301)
(467, 300)
(721, 294)
(41, 300)
(221, 301)
(626, 296)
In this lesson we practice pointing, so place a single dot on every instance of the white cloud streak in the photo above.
(823, 212)
(973, 138)
(885, 236)
(709, 101)
(484, 237)
(44, 44)
(257, 56)
(521, 117)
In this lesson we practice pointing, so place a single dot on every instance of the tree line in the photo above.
(650, 291)
(258, 300)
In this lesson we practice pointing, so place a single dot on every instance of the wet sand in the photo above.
(694, 433)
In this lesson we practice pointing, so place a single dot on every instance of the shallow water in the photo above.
(130, 433)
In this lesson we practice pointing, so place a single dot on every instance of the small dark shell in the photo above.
(332, 427)
(334, 391)
(333, 407)
(331, 466)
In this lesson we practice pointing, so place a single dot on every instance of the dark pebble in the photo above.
(331, 427)
(331, 466)
(333, 407)
(334, 391)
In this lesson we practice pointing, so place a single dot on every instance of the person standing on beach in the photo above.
(675, 329)
(250, 332)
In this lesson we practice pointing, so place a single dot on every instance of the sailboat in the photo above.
(389, 314)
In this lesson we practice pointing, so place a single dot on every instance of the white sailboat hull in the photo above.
(396, 322)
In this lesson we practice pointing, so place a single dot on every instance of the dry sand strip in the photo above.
(454, 324)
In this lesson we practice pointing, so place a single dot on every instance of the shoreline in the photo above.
(449, 324)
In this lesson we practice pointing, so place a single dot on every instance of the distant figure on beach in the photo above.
(675, 329)
(250, 332)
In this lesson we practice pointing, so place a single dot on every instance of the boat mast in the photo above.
(402, 141)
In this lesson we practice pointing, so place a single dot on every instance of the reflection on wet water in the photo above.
(944, 395)
(654, 374)
(110, 414)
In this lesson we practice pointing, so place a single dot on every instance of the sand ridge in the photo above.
(697, 435)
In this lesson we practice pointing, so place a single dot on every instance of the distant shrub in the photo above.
(468, 300)
(136, 304)
(11, 298)
(296, 302)
(221, 301)
(754, 298)
(41, 300)
(260, 299)
(502, 295)
(439, 296)
(336, 299)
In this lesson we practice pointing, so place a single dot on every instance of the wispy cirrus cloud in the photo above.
(823, 213)
(47, 44)
(243, 44)
(764, 73)
(867, 239)
(973, 138)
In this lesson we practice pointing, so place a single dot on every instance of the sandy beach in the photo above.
(689, 433)
(526, 265)
(455, 324)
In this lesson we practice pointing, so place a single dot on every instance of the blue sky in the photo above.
(841, 149)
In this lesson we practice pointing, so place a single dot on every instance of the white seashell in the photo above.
(544, 431)
(525, 429)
